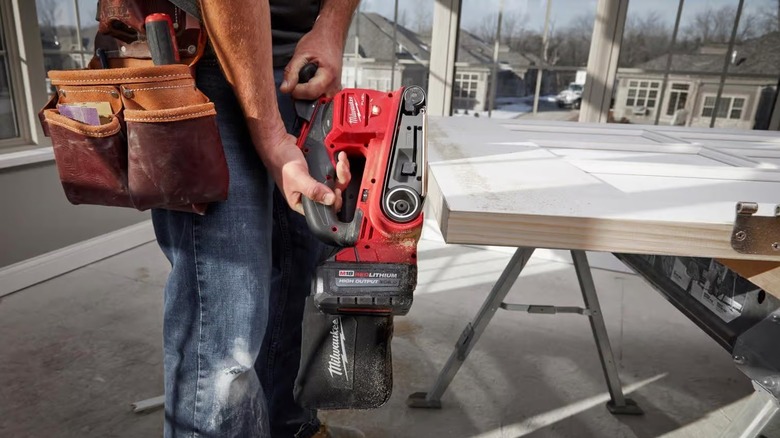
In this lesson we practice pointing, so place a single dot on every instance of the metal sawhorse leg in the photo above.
(761, 409)
(618, 404)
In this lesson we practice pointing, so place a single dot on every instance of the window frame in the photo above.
(6, 64)
(729, 109)
(470, 79)
(22, 38)
(638, 85)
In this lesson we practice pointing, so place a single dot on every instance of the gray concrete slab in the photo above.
(75, 351)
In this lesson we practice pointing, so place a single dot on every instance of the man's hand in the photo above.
(291, 173)
(322, 47)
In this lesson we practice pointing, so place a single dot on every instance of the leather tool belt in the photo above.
(156, 144)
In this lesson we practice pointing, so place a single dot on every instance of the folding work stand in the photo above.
(751, 339)
(618, 404)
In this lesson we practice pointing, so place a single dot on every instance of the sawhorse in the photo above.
(618, 403)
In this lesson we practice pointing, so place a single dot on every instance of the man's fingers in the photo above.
(315, 88)
(339, 201)
(343, 174)
(319, 192)
(291, 73)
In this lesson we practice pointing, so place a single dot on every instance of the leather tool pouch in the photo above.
(160, 146)
(346, 361)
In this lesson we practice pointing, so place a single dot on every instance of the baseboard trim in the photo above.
(29, 272)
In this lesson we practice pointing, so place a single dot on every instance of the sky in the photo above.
(562, 11)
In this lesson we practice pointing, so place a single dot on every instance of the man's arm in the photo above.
(324, 46)
(240, 31)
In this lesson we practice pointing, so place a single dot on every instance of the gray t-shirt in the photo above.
(290, 20)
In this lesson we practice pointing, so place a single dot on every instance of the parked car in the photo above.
(571, 96)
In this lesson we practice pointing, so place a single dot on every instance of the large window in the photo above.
(388, 45)
(729, 107)
(531, 57)
(713, 70)
(67, 32)
(9, 126)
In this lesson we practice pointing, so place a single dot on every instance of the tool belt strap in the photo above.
(188, 6)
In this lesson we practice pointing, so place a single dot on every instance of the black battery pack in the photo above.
(365, 288)
(346, 362)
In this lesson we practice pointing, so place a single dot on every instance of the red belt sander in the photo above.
(348, 322)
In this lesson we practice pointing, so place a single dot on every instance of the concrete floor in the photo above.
(75, 351)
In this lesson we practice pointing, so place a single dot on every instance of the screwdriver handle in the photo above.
(161, 38)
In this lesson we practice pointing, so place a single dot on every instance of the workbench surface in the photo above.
(613, 188)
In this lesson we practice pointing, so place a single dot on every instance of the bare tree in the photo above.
(423, 22)
(575, 40)
(768, 19)
(511, 27)
(403, 19)
(645, 37)
(715, 26)
(48, 11)
(486, 28)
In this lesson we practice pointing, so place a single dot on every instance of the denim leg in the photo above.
(216, 297)
(296, 253)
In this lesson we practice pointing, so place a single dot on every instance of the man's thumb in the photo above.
(291, 73)
(321, 193)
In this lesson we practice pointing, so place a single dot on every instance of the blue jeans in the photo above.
(235, 295)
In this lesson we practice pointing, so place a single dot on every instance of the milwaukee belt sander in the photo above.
(348, 322)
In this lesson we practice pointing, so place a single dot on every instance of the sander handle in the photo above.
(322, 219)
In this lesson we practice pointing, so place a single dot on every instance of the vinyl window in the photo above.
(68, 29)
(9, 120)
(642, 94)
(730, 107)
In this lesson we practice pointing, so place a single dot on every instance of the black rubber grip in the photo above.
(322, 219)
(307, 72)
(161, 45)
(324, 224)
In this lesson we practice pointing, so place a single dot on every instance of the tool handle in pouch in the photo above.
(322, 219)
(162, 39)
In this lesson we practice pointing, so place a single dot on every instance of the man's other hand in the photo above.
(321, 48)
(291, 173)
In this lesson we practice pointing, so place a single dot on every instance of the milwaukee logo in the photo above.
(354, 116)
(337, 360)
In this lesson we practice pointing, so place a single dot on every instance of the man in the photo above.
(233, 307)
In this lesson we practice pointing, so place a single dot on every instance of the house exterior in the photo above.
(369, 63)
(692, 87)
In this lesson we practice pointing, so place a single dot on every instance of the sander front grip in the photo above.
(322, 219)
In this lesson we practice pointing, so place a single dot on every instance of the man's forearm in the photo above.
(337, 15)
(240, 31)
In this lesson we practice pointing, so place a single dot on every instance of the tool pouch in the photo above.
(346, 362)
(159, 148)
